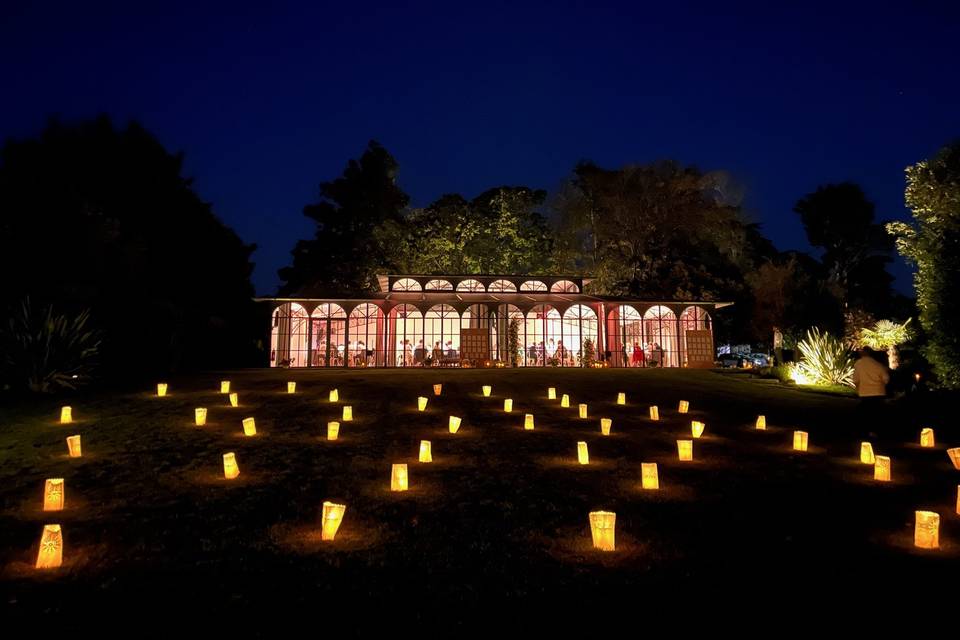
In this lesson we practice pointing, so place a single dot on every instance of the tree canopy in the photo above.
(932, 243)
(98, 217)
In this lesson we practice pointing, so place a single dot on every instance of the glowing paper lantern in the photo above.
(437, 388)
(53, 494)
(426, 454)
(454, 424)
(685, 450)
(621, 398)
(50, 555)
(200, 416)
(73, 446)
(649, 477)
(486, 390)
(583, 410)
(552, 393)
(954, 457)
(528, 422)
(605, 425)
(249, 427)
(926, 438)
(508, 405)
(800, 440)
(565, 401)
(761, 422)
(583, 456)
(66, 415)
(161, 389)
(334, 395)
(234, 400)
(684, 406)
(881, 469)
(347, 413)
(333, 430)
(291, 387)
(866, 453)
(926, 533)
(224, 386)
(398, 477)
(332, 517)
(603, 526)
(421, 403)
(654, 413)
(230, 468)
(697, 428)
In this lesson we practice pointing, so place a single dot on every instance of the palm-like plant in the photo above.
(45, 351)
(885, 335)
(824, 359)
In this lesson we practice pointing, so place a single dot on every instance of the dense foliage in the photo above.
(100, 218)
(824, 360)
(43, 351)
(932, 243)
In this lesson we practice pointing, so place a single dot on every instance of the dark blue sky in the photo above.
(268, 102)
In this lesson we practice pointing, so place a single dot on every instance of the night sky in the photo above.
(267, 103)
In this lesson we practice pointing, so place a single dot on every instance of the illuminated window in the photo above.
(564, 286)
(366, 328)
(288, 337)
(472, 286)
(438, 285)
(660, 332)
(533, 285)
(502, 286)
(406, 284)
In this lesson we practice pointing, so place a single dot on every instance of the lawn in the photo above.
(496, 525)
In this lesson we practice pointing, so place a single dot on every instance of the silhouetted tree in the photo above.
(358, 217)
(839, 219)
(99, 218)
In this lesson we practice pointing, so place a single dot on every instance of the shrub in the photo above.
(824, 360)
(46, 352)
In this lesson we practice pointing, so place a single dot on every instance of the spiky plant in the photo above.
(824, 359)
(46, 352)
(885, 335)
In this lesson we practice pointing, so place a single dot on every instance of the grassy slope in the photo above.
(500, 517)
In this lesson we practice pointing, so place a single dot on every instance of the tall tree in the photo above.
(499, 231)
(358, 216)
(100, 218)
(932, 243)
(839, 219)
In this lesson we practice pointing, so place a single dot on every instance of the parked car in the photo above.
(731, 361)
(760, 359)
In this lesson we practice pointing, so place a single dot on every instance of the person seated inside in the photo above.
(437, 354)
(419, 354)
(451, 352)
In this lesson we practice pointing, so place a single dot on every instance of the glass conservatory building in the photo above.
(478, 321)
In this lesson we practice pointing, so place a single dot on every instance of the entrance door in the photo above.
(328, 331)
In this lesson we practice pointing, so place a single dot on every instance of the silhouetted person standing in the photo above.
(870, 377)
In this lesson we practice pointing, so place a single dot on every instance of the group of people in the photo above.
(408, 356)
(650, 354)
(553, 351)
(357, 352)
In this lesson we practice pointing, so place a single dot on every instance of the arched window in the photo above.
(289, 341)
(564, 286)
(438, 285)
(479, 316)
(328, 335)
(579, 346)
(366, 332)
(660, 329)
(533, 285)
(406, 336)
(502, 286)
(694, 319)
(543, 330)
(406, 284)
(508, 335)
(625, 337)
(471, 286)
(441, 334)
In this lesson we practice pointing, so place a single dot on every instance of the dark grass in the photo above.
(495, 528)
